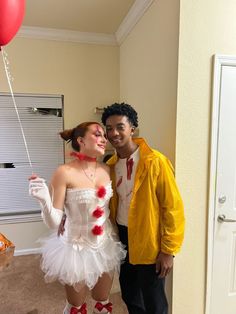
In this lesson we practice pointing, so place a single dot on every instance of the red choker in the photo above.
(83, 157)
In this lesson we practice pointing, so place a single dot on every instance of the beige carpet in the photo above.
(23, 290)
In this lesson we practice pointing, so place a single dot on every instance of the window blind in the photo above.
(42, 119)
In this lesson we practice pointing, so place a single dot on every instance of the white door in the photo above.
(223, 280)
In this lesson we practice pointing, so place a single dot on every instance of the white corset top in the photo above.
(87, 212)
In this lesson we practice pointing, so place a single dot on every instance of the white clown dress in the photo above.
(88, 247)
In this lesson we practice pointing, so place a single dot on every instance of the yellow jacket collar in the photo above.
(145, 151)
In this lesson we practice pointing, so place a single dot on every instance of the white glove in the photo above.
(39, 190)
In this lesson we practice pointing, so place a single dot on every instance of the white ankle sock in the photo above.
(69, 306)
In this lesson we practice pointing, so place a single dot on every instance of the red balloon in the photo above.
(11, 17)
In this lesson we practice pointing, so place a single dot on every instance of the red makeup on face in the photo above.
(97, 135)
(99, 130)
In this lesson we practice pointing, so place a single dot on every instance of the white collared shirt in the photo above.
(124, 186)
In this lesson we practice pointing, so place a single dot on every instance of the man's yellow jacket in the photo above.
(156, 215)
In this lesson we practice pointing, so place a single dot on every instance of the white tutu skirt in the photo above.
(78, 266)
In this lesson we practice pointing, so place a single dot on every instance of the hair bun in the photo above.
(67, 135)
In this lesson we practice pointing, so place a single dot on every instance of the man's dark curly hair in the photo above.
(122, 109)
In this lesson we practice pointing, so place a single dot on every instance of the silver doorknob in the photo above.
(222, 199)
(222, 218)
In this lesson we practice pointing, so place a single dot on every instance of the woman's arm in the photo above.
(52, 202)
(58, 186)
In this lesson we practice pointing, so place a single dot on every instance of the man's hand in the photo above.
(164, 264)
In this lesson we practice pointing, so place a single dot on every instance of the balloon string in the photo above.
(14, 102)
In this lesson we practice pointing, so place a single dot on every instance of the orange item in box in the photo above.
(6, 251)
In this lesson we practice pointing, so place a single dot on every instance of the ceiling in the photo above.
(93, 16)
(106, 22)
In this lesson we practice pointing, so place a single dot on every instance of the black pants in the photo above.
(142, 290)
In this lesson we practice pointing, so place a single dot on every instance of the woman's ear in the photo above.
(80, 141)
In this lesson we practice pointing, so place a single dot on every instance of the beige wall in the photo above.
(148, 73)
(87, 75)
(206, 28)
(148, 77)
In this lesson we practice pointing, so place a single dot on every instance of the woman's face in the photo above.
(94, 142)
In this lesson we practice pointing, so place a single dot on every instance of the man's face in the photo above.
(119, 131)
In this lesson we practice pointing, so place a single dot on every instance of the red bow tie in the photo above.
(82, 309)
(129, 165)
(99, 306)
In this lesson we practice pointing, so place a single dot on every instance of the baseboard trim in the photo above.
(27, 251)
